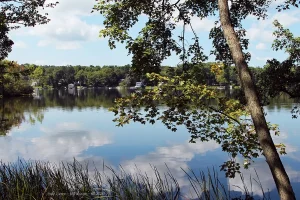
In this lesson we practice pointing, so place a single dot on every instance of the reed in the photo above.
(36, 180)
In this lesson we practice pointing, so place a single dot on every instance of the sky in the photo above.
(72, 37)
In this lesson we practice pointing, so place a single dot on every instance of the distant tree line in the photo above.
(112, 76)
(20, 79)
(96, 76)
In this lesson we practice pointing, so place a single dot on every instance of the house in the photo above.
(71, 86)
(138, 85)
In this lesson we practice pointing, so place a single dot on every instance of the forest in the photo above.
(27, 76)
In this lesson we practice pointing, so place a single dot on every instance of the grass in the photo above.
(42, 180)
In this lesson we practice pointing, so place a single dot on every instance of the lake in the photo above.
(60, 125)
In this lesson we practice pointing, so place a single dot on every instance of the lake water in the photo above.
(62, 125)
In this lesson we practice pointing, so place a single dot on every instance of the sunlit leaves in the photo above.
(199, 109)
(219, 71)
(205, 115)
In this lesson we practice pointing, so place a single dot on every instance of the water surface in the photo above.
(59, 125)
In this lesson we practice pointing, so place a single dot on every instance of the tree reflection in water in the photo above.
(14, 111)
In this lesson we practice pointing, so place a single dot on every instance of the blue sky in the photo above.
(72, 37)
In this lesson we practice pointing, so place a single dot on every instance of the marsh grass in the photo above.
(36, 180)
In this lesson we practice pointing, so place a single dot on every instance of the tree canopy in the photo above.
(15, 14)
(185, 100)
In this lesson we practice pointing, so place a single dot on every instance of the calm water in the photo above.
(60, 125)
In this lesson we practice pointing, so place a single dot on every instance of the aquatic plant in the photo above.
(42, 180)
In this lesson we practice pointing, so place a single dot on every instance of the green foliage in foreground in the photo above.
(40, 180)
(205, 114)
(15, 14)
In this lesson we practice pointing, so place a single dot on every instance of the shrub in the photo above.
(18, 88)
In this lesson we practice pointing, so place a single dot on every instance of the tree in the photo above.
(156, 42)
(266, 142)
(38, 75)
(5, 42)
(282, 76)
(70, 74)
(13, 79)
(80, 76)
(15, 14)
(219, 71)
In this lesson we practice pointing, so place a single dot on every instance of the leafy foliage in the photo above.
(188, 102)
(17, 13)
(13, 79)
(5, 42)
(205, 114)
(278, 77)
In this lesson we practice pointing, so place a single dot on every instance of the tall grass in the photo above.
(42, 180)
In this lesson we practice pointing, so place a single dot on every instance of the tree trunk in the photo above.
(280, 176)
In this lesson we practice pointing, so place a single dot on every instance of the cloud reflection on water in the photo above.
(61, 143)
(67, 140)
(173, 159)
(264, 176)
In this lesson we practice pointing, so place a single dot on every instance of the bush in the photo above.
(18, 88)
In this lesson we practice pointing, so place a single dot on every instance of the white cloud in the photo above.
(205, 24)
(73, 7)
(263, 30)
(68, 45)
(202, 24)
(260, 34)
(43, 43)
(197, 23)
(263, 58)
(287, 19)
(19, 44)
(67, 28)
(261, 46)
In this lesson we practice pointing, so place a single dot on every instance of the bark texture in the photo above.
(280, 176)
